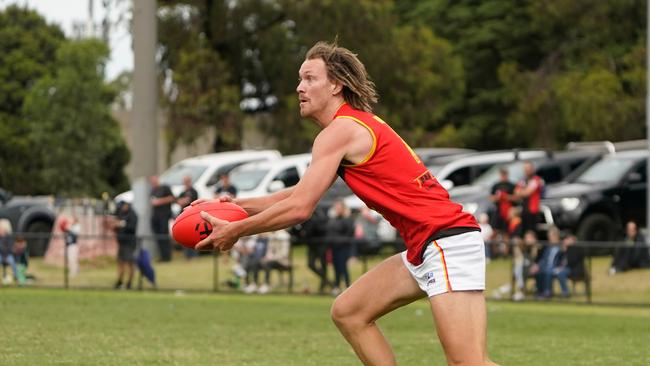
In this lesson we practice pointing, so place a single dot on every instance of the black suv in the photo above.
(553, 168)
(31, 216)
(596, 203)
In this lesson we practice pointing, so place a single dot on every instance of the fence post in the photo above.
(215, 270)
(66, 269)
(589, 276)
(138, 249)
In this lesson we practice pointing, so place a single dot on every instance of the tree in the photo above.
(255, 48)
(77, 145)
(27, 46)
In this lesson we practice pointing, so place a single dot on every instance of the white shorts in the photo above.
(454, 263)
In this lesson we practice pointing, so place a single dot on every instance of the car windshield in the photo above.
(247, 179)
(491, 176)
(174, 176)
(607, 170)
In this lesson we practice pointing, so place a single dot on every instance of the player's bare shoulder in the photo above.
(357, 138)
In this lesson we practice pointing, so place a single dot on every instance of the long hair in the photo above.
(344, 66)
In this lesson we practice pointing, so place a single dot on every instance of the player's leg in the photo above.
(461, 322)
(379, 291)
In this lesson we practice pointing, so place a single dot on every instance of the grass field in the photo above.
(73, 327)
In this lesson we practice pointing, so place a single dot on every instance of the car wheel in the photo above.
(38, 237)
(597, 227)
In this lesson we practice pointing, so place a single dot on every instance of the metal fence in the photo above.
(216, 272)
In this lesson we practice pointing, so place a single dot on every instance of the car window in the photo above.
(550, 174)
(607, 170)
(460, 177)
(247, 179)
(174, 175)
(289, 177)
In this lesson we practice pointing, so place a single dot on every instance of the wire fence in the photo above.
(513, 271)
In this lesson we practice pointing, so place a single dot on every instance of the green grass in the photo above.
(59, 327)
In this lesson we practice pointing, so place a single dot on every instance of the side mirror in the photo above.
(276, 185)
(447, 184)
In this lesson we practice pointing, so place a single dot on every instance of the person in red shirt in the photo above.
(445, 257)
(529, 191)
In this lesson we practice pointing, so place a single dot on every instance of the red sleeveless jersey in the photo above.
(393, 181)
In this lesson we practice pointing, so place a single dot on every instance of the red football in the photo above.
(189, 228)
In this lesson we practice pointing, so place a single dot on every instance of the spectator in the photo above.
(365, 232)
(253, 253)
(548, 260)
(224, 187)
(633, 253)
(161, 201)
(487, 232)
(340, 232)
(125, 226)
(71, 230)
(529, 191)
(313, 231)
(502, 196)
(276, 257)
(186, 197)
(7, 251)
(524, 252)
(21, 258)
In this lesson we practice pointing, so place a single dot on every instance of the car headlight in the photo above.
(470, 207)
(570, 203)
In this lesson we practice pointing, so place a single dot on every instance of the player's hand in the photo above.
(221, 238)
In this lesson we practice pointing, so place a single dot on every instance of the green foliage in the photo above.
(77, 146)
(262, 44)
(27, 47)
(542, 73)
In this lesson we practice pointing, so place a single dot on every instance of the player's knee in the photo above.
(343, 313)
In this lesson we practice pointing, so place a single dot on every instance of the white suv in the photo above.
(264, 177)
(205, 171)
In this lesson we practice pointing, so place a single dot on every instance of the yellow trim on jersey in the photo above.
(374, 141)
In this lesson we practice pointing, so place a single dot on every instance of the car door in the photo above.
(634, 194)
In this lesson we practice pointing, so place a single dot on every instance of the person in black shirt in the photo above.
(126, 222)
(224, 187)
(161, 202)
(188, 196)
(501, 195)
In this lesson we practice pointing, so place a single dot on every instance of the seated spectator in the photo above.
(486, 232)
(276, 257)
(251, 260)
(7, 252)
(524, 252)
(633, 253)
(22, 258)
(548, 260)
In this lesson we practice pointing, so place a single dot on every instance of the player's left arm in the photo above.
(329, 149)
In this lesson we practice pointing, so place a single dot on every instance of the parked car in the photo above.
(264, 177)
(205, 171)
(459, 170)
(552, 168)
(32, 216)
(596, 203)
(429, 154)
